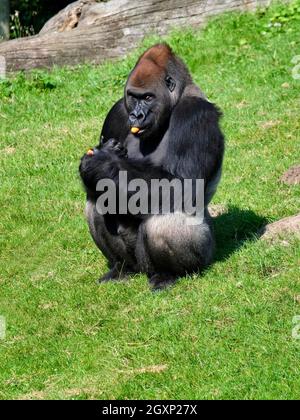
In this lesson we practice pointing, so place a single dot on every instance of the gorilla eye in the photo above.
(148, 98)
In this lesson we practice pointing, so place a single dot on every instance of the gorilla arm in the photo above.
(196, 145)
(109, 161)
(116, 123)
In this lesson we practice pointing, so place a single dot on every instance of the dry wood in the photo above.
(91, 31)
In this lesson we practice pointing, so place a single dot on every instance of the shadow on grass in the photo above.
(234, 228)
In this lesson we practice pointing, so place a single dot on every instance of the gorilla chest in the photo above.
(138, 148)
(132, 144)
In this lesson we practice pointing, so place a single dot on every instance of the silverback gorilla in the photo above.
(163, 128)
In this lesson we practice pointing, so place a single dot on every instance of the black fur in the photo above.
(182, 141)
(116, 123)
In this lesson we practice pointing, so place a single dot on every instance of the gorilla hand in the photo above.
(101, 163)
(111, 149)
(115, 147)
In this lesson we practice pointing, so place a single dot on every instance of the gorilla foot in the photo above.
(117, 273)
(162, 281)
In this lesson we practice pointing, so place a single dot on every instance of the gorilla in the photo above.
(163, 128)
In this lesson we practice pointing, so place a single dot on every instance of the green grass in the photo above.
(225, 334)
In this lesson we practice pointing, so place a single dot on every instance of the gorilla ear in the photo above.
(171, 84)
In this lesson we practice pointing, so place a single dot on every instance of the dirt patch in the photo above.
(9, 150)
(35, 395)
(242, 104)
(217, 210)
(66, 394)
(48, 306)
(146, 369)
(282, 228)
(151, 369)
(270, 124)
(292, 176)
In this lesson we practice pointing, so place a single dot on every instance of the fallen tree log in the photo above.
(91, 31)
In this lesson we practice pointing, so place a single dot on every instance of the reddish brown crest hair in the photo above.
(152, 66)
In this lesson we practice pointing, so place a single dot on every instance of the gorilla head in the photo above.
(153, 89)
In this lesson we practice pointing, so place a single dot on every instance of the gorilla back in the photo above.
(163, 128)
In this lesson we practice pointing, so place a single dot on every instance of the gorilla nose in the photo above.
(136, 117)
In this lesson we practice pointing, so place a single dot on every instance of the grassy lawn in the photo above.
(225, 334)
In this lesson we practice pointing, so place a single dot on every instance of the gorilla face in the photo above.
(148, 108)
(141, 106)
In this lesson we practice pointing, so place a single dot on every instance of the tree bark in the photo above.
(4, 20)
(91, 31)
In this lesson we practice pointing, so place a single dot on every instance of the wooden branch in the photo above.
(90, 31)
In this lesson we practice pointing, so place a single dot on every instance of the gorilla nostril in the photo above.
(132, 117)
(137, 116)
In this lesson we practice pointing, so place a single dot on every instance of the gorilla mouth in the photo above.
(142, 131)
(137, 131)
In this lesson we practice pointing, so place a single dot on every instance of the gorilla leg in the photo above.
(168, 247)
(116, 243)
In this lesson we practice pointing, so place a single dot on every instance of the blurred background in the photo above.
(27, 17)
